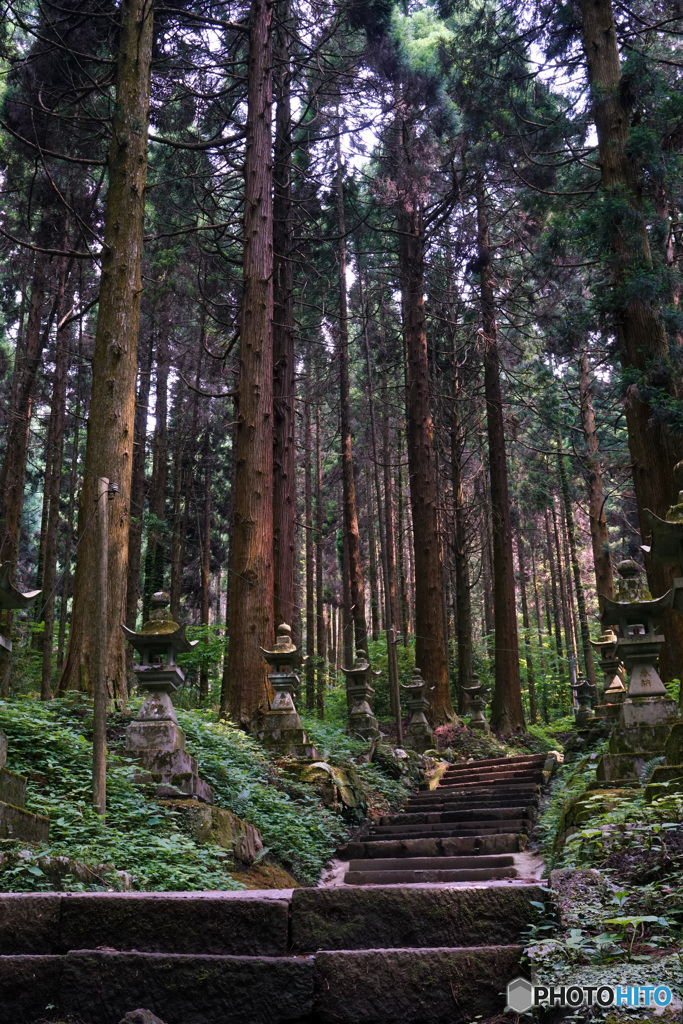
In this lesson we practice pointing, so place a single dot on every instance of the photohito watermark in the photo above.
(523, 996)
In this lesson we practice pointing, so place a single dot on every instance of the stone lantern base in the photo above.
(364, 725)
(640, 734)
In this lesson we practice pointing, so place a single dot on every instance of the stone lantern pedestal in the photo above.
(614, 692)
(647, 713)
(419, 735)
(280, 728)
(477, 699)
(362, 722)
(155, 738)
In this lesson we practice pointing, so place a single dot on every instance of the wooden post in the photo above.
(100, 694)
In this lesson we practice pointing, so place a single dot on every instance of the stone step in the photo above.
(401, 916)
(441, 862)
(466, 803)
(453, 847)
(370, 986)
(402, 876)
(473, 788)
(235, 923)
(467, 814)
(505, 762)
(445, 829)
(492, 776)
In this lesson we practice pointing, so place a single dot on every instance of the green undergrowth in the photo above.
(51, 744)
(617, 914)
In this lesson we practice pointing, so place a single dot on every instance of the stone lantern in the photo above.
(614, 691)
(360, 691)
(155, 738)
(645, 717)
(584, 695)
(280, 729)
(477, 699)
(419, 735)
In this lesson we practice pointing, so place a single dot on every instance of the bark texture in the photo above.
(109, 448)
(596, 495)
(251, 579)
(430, 641)
(507, 714)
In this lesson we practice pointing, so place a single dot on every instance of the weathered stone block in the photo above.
(16, 823)
(29, 923)
(215, 824)
(141, 1017)
(99, 987)
(29, 987)
(234, 925)
(162, 735)
(674, 745)
(430, 986)
(12, 788)
(3, 748)
(645, 711)
(639, 739)
(624, 769)
(665, 779)
(397, 916)
(168, 762)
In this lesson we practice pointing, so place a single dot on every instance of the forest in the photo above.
(367, 315)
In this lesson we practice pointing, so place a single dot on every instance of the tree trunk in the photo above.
(596, 495)
(71, 508)
(351, 531)
(251, 582)
(372, 557)
(556, 606)
(654, 449)
(404, 606)
(507, 714)
(284, 452)
(463, 597)
(13, 472)
(156, 539)
(530, 678)
(576, 571)
(321, 634)
(430, 645)
(137, 495)
(109, 449)
(206, 564)
(183, 483)
(310, 571)
(53, 480)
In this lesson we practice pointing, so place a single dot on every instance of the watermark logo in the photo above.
(523, 996)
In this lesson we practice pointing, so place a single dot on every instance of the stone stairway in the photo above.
(348, 955)
(377, 952)
(467, 829)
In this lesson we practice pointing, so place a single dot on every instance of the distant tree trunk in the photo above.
(486, 564)
(372, 558)
(564, 597)
(71, 507)
(55, 436)
(284, 452)
(404, 606)
(430, 644)
(206, 564)
(507, 714)
(556, 606)
(463, 597)
(346, 646)
(13, 471)
(321, 635)
(310, 605)
(351, 531)
(251, 582)
(653, 446)
(576, 571)
(596, 495)
(109, 449)
(137, 494)
(183, 481)
(156, 538)
(530, 678)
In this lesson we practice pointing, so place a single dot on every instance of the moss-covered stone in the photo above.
(396, 916)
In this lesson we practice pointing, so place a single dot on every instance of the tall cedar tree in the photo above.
(109, 448)
(251, 581)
